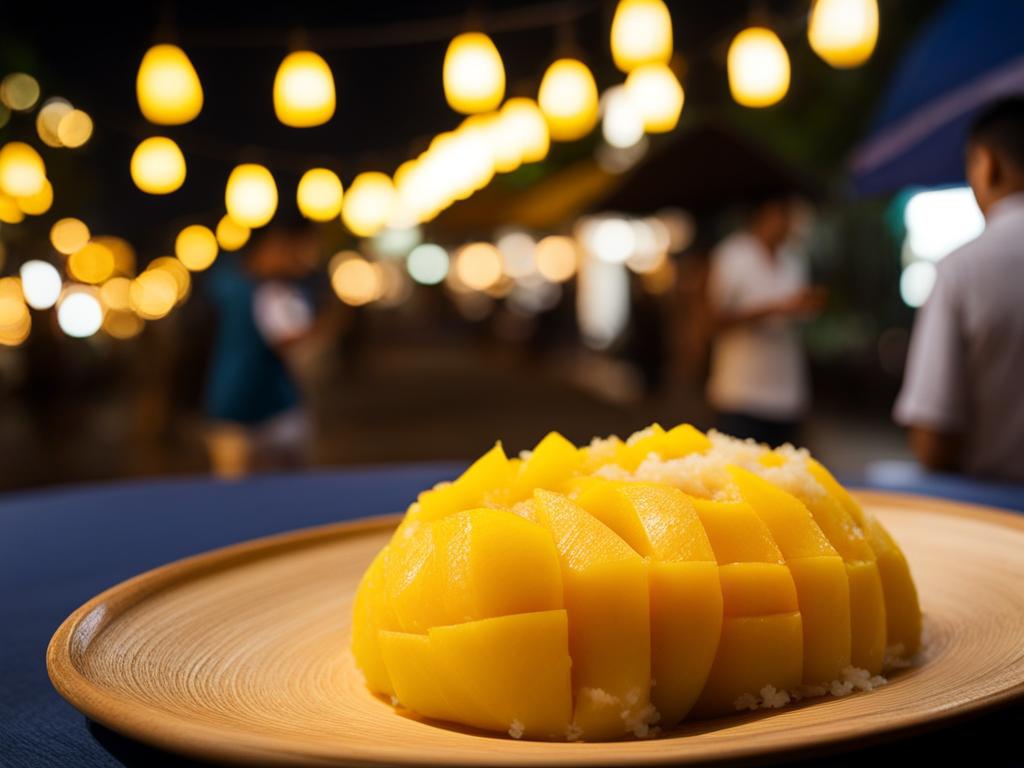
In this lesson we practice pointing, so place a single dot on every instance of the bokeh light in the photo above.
(517, 251)
(15, 319)
(758, 67)
(196, 247)
(557, 258)
(92, 263)
(843, 32)
(369, 203)
(251, 195)
(75, 129)
(19, 91)
(474, 75)
(355, 280)
(40, 202)
(523, 120)
(568, 99)
(157, 166)
(641, 34)
(124, 254)
(114, 294)
(68, 235)
(119, 324)
(658, 96)
(153, 294)
(428, 264)
(177, 270)
(22, 172)
(40, 283)
(319, 194)
(622, 125)
(167, 86)
(10, 212)
(79, 312)
(478, 266)
(304, 90)
(48, 120)
(611, 240)
(230, 234)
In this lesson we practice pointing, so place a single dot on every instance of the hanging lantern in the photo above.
(304, 90)
(230, 235)
(641, 34)
(157, 166)
(474, 75)
(658, 96)
(196, 247)
(369, 203)
(251, 195)
(758, 68)
(523, 121)
(568, 99)
(22, 172)
(843, 32)
(622, 125)
(319, 194)
(167, 86)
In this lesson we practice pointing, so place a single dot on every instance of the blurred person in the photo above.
(254, 406)
(963, 389)
(757, 292)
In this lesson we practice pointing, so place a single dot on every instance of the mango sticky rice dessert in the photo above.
(615, 590)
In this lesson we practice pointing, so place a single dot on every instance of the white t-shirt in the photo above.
(756, 368)
(965, 369)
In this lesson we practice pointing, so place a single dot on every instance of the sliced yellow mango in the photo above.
(629, 455)
(549, 466)
(491, 471)
(372, 612)
(819, 574)
(683, 440)
(607, 601)
(413, 669)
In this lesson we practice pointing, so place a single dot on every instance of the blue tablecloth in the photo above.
(59, 548)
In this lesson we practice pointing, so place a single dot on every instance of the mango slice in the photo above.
(550, 465)
(372, 612)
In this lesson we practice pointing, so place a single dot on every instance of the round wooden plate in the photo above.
(241, 654)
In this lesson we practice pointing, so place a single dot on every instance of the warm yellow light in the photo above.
(124, 254)
(22, 172)
(478, 266)
(75, 129)
(79, 312)
(843, 32)
(114, 293)
(474, 75)
(355, 280)
(39, 203)
(251, 195)
(523, 121)
(48, 120)
(468, 161)
(368, 204)
(196, 247)
(157, 166)
(502, 142)
(177, 270)
(92, 263)
(556, 258)
(19, 91)
(304, 90)
(657, 94)
(416, 198)
(568, 99)
(120, 324)
(15, 319)
(68, 235)
(153, 294)
(231, 235)
(167, 86)
(10, 212)
(319, 194)
(641, 34)
(758, 68)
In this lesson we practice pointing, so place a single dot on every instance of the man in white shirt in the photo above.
(757, 291)
(963, 390)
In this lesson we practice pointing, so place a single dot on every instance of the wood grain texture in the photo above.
(241, 655)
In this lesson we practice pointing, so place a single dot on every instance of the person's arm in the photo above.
(808, 301)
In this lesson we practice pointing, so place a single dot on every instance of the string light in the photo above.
(39, 203)
(196, 247)
(369, 203)
(355, 280)
(251, 195)
(92, 263)
(557, 258)
(167, 86)
(157, 166)
(622, 125)
(74, 129)
(68, 235)
(658, 96)
(124, 254)
(428, 264)
(843, 32)
(473, 75)
(114, 293)
(478, 266)
(153, 294)
(15, 319)
(568, 99)
(641, 34)
(319, 194)
(22, 172)
(122, 325)
(758, 67)
(304, 94)
(19, 91)
(79, 312)
(177, 271)
(522, 119)
(40, 283)
(231, 235)
(48, 120)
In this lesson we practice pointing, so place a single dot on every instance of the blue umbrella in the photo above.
(970, 53)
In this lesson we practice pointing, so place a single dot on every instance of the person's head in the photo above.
(995, 152)
(287, 248)
(770, 218)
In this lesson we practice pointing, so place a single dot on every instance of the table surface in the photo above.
(59, 548)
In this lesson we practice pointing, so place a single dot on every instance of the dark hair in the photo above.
(1000, 126)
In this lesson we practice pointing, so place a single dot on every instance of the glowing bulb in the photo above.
(22, 172)
(167, 86)
(10, 213)
(758, 68)
(92, 263)
(428, 264)
(177, 271)
(74, 129)
(124, 254)
(304, 90)
(153, 294)
(68, 235)
(196, 247)
(40, 283)
(843, 32)
(657, 94)
(503, 143)
(524, 122)
(251, 195)
(15, 319)
(19, 91)
(48, 120)
(474, 75)
(478, 266)
(557, 258)
(369, 203)
(114, 294)
(39, 203)
(356, 281)
(157, 166)
(641, 34)
(79, 313)
(622, 125)
(319, 194)
(568, 99)
(612, 240)
(230, 235)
